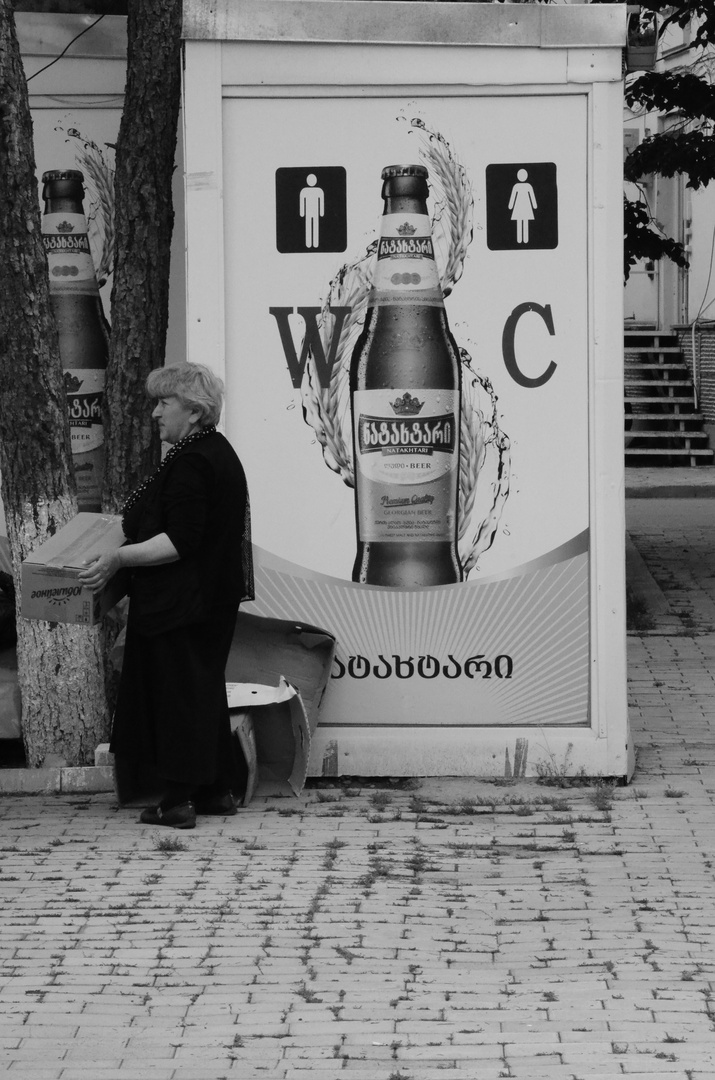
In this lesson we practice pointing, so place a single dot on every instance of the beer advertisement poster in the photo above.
(435, 520)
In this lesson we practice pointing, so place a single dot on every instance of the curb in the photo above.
(671, 491)
(62, 779)
(82, 780)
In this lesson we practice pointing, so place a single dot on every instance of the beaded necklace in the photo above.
(135, 495)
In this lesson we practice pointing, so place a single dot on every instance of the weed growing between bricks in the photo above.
(421, 934)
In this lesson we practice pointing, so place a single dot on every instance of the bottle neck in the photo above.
(63, 206)
(404, 204)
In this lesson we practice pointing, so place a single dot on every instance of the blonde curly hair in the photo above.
(195, 385)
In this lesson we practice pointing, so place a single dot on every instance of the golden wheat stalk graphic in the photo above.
(481, 437)
(452, 205)
(99, 184)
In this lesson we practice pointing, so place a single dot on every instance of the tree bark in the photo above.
(64, 712)
(144, 219)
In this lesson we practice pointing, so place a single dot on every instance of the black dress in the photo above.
(172, 713)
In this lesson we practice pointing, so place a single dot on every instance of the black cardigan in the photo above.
(200, 500)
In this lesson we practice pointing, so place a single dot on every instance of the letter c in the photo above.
(507, 344)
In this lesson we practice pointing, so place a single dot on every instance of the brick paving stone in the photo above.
(33, 1070)
(536, 936)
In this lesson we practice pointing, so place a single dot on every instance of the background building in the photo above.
(661, 295)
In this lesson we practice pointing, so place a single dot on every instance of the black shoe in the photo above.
(178, 817)
(217, 804)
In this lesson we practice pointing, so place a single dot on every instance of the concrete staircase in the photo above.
(662, 423)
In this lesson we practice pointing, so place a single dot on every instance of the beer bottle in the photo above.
(405, 383)
(82, 327)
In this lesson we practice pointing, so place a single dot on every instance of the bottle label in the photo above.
(406, 269)
(407, 455)
(85, 392)
(69, 259)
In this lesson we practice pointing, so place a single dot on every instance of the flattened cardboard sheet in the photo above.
(267, 650)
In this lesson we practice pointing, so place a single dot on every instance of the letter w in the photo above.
(312, 342)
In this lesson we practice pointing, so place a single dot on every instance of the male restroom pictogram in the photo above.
(311, 209)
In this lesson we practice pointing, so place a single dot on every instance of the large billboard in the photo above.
(508, 643)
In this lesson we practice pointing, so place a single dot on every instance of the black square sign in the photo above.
(311, 209)
(522, 206)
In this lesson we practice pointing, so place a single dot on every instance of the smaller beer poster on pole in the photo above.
(407, 373)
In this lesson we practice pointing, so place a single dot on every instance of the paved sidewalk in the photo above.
(410, 931)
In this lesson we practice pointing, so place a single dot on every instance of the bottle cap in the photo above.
(62, 174)
(404, 170)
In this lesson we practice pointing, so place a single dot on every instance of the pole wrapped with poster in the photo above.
(82, 327)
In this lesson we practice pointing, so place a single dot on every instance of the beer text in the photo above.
(86, 407)
(431, 433)
(416, 247)
(55, 242)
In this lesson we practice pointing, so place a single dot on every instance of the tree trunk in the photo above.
(64, 712)
(144, 220)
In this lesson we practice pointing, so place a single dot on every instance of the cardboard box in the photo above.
(271, 727)
(51, 589)
(268, 650)
(276, 675)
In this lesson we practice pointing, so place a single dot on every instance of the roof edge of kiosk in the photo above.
(409, 23)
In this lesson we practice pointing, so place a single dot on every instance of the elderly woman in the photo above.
(189, 555)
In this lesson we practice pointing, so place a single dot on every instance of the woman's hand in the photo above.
(153, 552)
(100, 570)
